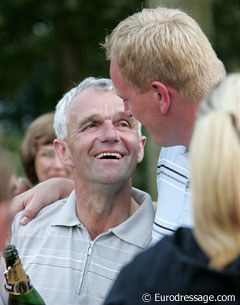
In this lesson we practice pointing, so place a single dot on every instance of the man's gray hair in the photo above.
(61, 117)
(60, 120)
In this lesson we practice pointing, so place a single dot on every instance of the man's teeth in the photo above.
(109, 155)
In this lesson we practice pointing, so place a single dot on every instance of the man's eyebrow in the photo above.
(87, 119)
(95, 117)
(122, 116)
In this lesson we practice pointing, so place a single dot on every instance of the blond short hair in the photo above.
(215, 164)
(167, 45)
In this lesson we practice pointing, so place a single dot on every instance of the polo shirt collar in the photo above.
(66, 216)
(136, 230)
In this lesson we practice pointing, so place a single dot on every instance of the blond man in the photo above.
(162, 65)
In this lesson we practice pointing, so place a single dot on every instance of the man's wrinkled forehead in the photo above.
(114, 116)
(101, 105)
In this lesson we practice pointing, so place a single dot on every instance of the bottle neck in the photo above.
(11, 255)
(17, 281)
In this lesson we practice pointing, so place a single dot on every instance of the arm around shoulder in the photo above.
(43, 194)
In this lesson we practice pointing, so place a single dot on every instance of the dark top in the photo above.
(175, 271)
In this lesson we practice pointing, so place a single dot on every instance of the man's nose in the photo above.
(109, 132)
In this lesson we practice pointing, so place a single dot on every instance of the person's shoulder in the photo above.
(41, 220)
(174, 161)
(154, 254)
(173, 154)
(140, 196)
(172, 151)
(144, 200)
(49, 209)
(162, 251)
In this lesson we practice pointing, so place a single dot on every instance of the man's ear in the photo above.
(142, 142)
(162, 95)
(63, 152)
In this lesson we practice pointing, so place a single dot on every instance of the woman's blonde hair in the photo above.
(215, 167)
(167, 45)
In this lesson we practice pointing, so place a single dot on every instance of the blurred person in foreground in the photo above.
(197, 263)
(5, 195)
(74, 248)
(161, 65)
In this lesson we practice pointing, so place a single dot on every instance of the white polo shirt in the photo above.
(65, 265)
(174, 194)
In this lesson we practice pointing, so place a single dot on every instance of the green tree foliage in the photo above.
(49, 45)
(226, 18)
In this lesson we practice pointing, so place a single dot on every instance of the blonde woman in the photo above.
(202, 264)
(215, 163)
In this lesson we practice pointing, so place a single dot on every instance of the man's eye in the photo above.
(124, 124)
(90, 125)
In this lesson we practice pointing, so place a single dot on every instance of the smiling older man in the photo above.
(73, 250)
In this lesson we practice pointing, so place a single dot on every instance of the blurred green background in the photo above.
(48, 46)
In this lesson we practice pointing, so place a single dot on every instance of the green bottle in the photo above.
(18, 285)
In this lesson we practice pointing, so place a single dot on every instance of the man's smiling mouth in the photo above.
(109, 155)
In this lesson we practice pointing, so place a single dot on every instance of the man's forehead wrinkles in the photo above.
(108, 115)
